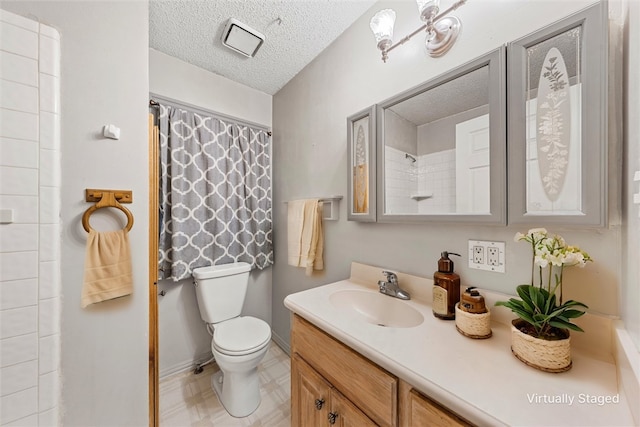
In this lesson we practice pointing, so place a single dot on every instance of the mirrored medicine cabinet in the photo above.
(441, 148)
(558, 112)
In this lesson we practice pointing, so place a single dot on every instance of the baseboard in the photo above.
(281, 343)
(185, 365)
(188, 365)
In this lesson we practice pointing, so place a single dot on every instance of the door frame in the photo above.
(154, 386)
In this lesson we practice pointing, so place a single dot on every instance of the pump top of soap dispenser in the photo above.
(445, 264)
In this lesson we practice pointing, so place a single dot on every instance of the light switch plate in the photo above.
(486, 255)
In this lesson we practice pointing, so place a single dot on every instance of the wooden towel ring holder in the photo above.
(106, 199)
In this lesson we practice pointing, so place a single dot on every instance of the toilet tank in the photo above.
(220, 290)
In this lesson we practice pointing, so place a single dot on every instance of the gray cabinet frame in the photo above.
(594, 61)
(372, 165)
(497, 128)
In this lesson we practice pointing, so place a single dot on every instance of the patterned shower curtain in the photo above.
(215, 193)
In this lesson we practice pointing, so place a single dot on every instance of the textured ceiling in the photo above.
(468, 91)
(191, 30)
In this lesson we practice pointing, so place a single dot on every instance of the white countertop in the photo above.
(478, 379)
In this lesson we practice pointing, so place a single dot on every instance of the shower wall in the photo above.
(30, 241)
(401, 182)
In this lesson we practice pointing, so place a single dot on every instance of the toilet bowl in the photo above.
(238, 350)
(238, 343)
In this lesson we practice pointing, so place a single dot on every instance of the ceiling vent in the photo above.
(242, 38)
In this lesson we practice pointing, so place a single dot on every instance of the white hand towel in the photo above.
(107, 267)
(295, 222)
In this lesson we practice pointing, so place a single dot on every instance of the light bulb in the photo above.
(382, 27)
(428, 9)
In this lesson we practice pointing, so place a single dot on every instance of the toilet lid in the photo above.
(241, 335)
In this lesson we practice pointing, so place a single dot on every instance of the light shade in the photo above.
(382, 26)
(428, 9)
(241, 38)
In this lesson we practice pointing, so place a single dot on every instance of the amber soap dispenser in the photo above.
(446, 288)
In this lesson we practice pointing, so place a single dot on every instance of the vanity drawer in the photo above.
(369, 387)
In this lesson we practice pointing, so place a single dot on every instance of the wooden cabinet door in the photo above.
(362, 382)
(424, 412)
(345, 414)
(310, 396)
(417, 410)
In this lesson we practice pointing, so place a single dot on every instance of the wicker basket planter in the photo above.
(545, 355)
(473, 325)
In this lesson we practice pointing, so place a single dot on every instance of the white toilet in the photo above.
(239, 343)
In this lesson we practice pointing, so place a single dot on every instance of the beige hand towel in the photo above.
(312, 238)
(107, 267)
(305, 237)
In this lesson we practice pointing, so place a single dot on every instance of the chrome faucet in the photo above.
(391, 287)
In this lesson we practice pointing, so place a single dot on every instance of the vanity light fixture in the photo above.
(442, 30)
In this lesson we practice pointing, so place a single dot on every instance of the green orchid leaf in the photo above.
(572, 314)
(523, 291)
(525, 316)
(537, 297)
(572, 303)
(550, 305)
(565, 325)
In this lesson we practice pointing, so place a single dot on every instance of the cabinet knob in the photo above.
(332, 417)
(163, 293)
(319, 403)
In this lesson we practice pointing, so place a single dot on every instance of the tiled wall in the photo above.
(432, 175)
(401, 182)
(437, 177)
(30, 244)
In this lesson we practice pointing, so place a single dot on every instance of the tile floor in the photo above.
(188, 400)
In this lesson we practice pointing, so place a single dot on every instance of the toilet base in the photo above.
(240, 401)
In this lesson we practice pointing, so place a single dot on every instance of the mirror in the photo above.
(557, 122)
(552, 125)
(442, 147)
(361, 155)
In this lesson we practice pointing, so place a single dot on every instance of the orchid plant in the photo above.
(541, 306)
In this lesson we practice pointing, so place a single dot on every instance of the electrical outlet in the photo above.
(486, 255)
(478, 255)
(493, 257)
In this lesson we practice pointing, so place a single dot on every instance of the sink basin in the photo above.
(376, 308)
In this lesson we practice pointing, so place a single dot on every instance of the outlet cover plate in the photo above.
(486, 255)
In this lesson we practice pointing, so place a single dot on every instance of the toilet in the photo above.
(239, 342)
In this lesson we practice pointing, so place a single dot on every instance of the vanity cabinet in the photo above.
(333, 384)
(354, 382)
(417, 410)
(317, 403)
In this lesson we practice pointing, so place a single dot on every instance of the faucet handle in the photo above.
(391, 276)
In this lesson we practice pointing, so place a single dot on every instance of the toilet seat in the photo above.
(241, 335)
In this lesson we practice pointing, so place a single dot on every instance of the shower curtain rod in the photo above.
(154, 98)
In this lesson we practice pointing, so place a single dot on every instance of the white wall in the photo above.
(30, 245)
(631, 293)
(182, 81)
(104, 79)
(310, 160)
(183, 338)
